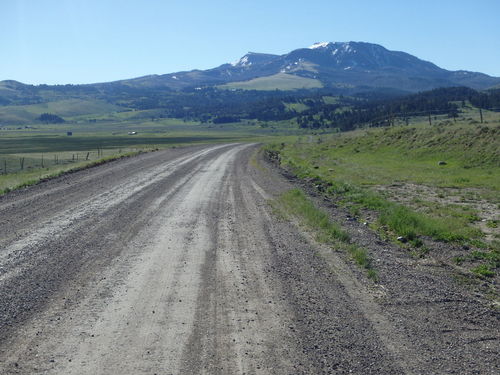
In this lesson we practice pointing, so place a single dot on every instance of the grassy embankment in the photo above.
(395, 173)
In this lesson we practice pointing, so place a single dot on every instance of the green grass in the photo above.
(492, 224)
(298, 204)
(349, 164)
(485, 263)
(295, 203)
(400, 219)
(408, 155)
(14, 181)
(297, 107)
(73, 107)
(395, 172)
(483, 270)
(331, 99)
(67, 109)
(280, 81)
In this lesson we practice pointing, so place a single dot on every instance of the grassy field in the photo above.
(297, 107)
(440, 181)
(70, 109)
(280, 81)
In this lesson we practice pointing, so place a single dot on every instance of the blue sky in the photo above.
(84, 41)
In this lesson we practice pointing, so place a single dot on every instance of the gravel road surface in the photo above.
(173, 262)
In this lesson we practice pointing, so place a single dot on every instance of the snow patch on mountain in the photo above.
(348, 48)
(244, 61)
(320, 45)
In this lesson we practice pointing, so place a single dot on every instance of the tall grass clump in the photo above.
(408, 223)
(405, 221)
(297, 204)
(363, 260)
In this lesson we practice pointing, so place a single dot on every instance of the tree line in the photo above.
(442, 101)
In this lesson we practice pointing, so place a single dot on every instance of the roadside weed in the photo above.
(295, 203)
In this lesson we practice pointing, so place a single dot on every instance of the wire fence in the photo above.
(476, 116)
(14, 163)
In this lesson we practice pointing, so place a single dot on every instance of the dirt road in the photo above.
(174, 263)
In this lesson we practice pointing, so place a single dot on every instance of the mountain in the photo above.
(341, 65)
(248, 67)
(344, 66)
